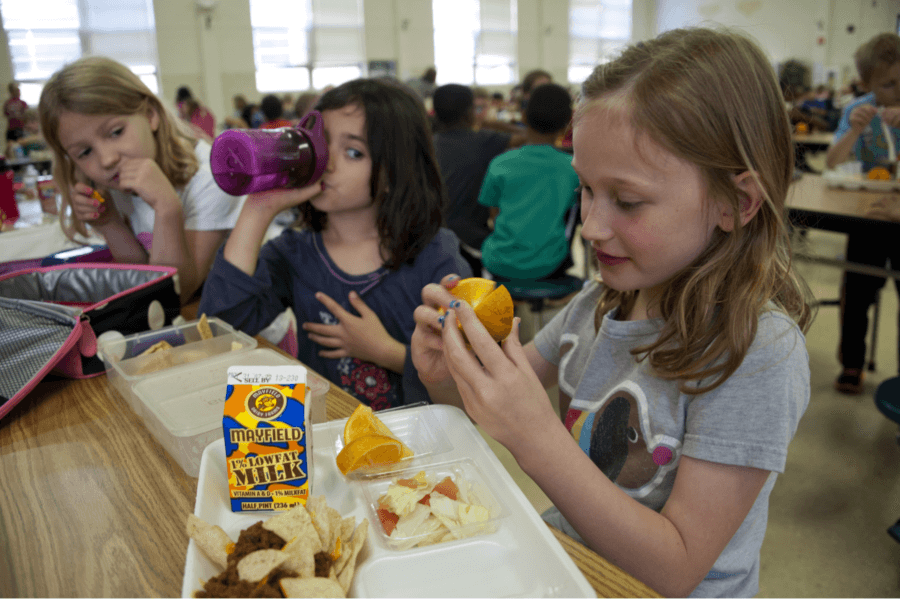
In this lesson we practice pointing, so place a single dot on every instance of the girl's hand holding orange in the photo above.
(499, 388)
(86, 206)
(427, 344)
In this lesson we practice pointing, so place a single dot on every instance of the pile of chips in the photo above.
(315, 533)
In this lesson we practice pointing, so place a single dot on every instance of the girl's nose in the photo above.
(108, 156)
(594, 221)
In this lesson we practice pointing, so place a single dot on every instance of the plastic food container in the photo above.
(474, 489)
(182, 408)
(516, 555)
(126, 366)
(422, 434)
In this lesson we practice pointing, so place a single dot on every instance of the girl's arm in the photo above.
(671, 551)
(242, 247)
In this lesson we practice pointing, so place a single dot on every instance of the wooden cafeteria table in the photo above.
(813, 203)
(92, 506)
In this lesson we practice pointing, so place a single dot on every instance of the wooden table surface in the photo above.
(92, 506)
(813, 203)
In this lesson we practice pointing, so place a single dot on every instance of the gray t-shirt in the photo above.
(636, 426)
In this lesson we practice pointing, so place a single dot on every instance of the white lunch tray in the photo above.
(521, 558)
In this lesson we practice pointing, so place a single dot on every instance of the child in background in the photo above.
(464, 154)
(861, 136)
(684, 374)
(110, 133)
(273, 110)
(14, 110)
(202, 121)
(371, 239)
(530, 190)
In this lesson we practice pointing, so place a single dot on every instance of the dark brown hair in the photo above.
(406, 184)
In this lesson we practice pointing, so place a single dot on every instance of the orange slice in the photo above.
(491, 302)
(367, 451)
(879, 173)
(363, 422)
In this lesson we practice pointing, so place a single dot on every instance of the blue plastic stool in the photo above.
(887, 399)
(538, 292)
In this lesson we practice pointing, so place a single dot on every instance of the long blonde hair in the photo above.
(97, 85)
(711, 98)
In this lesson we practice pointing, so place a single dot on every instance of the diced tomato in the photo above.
(447, 488)
(426, 500)
(388, 520)
(410, 483)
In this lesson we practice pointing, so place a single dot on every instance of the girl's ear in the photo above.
(750, 200)
(153, 116)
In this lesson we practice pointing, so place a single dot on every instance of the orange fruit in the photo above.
(367, 451)
(879, 173)
(491, 302)
(363, 422)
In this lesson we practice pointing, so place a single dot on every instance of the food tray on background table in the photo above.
(517, 556)
(858, 181)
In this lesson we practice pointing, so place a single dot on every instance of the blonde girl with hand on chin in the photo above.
(682, 370)
(110, 134)
(369, 239)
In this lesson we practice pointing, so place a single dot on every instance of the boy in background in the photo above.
(463, 156)
(861, 135)
(531, 189)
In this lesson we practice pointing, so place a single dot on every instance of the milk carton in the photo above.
(266, 423)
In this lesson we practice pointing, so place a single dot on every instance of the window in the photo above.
(299, 44)
(598, 30)
(475, 41)
(44, 35)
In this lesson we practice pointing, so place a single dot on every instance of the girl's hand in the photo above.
(272, 202)
(88, 209)
(142, 176)
(363, 337)
(861, 116)
(503, 394)
(427, 345)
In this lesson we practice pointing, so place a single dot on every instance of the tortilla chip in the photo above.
(157, 347)
(211, 539)
(351, 550)
(204, 329)
(302, 555)
(295, 523)
(257, 565)
(314, 587)
(326, 520)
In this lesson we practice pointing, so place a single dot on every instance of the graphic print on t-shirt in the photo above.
(618, 438)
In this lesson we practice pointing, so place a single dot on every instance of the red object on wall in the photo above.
(821, 40)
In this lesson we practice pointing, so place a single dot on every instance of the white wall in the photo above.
(813, 31)
(212, 52)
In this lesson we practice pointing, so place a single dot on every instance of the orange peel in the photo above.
(368, 450)
(491, 302)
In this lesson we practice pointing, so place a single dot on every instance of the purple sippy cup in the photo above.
(244, 161)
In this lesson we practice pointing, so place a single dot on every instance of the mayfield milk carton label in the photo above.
(267, 446)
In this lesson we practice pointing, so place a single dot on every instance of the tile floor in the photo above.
(840, 491)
